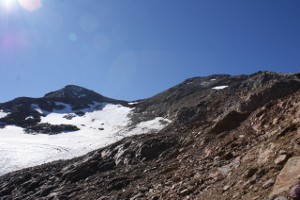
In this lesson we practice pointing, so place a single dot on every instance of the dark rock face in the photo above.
(152, 148)
(221, 144)
(19, 115)
(86, 169)
(79, 97)
(46, 128)
(230, 121)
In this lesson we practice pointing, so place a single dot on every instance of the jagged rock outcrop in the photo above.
(230, 143)
(50, 129)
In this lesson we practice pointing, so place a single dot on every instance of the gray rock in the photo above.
(295, 192)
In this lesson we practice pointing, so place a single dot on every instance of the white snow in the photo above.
(151, 125)
(29, 117)
(38, 109)
(3, 114)
(213, 79)
(133, 103)
(220, 87)
(101, 125)
(66, 108)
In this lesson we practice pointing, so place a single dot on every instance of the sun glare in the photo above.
(9, 4)
(29, 5)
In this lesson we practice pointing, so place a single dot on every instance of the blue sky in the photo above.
(131, 49)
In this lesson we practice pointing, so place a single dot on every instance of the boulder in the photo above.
(288, 177)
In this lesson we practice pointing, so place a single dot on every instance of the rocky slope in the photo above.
(231, 137)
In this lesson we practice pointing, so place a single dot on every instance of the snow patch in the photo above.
(101, 125)
(149, 126)
(220, 87)
(3, 114)
(133, 103)
(29, 117)
(37, 108)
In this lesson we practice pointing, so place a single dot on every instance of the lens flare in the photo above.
(12, 42)
(30, 5)
(8, 4)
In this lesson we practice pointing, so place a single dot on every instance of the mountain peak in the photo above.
(72, 91)
(79, 96)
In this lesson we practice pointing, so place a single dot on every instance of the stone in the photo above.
(281, 159)
(280, 198)
(46, 191)
(282, 152)
(250, 172)
(251, 181)
(137, 196)
(184, 192)
(226, 187)
(228, 156)
(265, 153)
(295, 192)
(288, 177)
(269, 183)
(224, 170)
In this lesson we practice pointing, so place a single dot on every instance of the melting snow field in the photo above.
(101, 125)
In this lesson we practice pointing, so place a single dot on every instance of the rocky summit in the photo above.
(207, 138)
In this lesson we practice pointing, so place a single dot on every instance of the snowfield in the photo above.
(101, 125)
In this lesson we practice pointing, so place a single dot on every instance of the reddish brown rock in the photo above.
(287, 177)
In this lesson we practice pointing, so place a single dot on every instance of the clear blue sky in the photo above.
(131, 49)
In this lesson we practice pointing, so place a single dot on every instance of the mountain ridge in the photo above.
(78, 97)
(229, 137)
